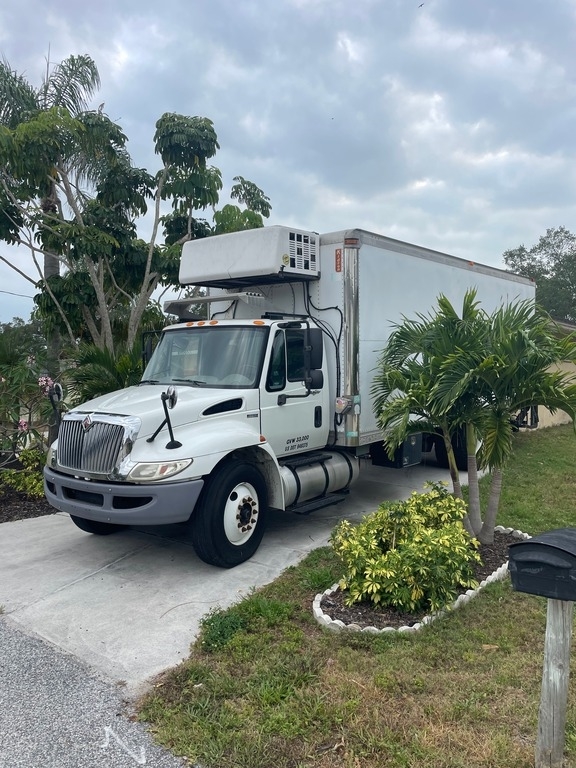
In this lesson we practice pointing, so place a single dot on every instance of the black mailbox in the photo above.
(545, 565)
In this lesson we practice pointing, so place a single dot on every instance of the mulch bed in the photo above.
(15, 505)
(366, 615)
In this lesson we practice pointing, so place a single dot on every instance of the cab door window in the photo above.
(276, 379)
(287, 359)
(295, 354)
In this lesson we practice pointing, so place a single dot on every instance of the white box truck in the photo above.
(266, 404)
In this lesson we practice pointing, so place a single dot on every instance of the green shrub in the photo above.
(29, 479)
(410, 555)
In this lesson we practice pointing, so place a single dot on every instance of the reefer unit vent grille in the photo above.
(303, 251)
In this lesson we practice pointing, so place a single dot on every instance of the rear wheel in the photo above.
(94, 526)
(229, 521)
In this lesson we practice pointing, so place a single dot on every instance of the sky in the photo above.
(450, 124)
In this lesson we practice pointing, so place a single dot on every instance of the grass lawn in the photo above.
(266, 687)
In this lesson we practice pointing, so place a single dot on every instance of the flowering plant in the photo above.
(25, 412)
(46, 384)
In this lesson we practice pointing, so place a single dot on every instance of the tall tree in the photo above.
(66, 87)
(69, 192)
(551, 263)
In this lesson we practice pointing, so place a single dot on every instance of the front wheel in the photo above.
(94, 526)
(229, 521)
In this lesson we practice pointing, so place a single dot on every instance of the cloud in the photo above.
(452, 125)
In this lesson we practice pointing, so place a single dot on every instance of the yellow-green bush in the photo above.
(411, 555)
(29, 479)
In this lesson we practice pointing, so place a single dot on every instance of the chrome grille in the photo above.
(95, 450)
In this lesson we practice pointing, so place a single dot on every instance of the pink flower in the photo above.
(22, 425)
(45, 383)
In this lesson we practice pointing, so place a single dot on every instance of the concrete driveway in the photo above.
(129, 605)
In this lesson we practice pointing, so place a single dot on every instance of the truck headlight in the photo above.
(52, 455)
(150, 472)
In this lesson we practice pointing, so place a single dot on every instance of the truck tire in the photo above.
(460, 452)
(94, 526)
(229, 521)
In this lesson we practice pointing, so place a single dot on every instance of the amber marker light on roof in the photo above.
(259, 322)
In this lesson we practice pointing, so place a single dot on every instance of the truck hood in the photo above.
(145, 403)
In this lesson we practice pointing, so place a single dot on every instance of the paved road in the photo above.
(56, 713)
(89, 620)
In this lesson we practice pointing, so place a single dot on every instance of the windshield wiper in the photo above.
(149, 381)
(195, 382)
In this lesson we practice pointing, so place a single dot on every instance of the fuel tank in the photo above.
(317, 474)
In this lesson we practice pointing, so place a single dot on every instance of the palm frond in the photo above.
(98, 371)
(70, 84)
(18, 99)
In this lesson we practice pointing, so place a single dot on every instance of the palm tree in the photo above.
(98, 371)
(405, 387)
(68, 85)
(59, 147)
(516, 369)
(474, 370)
(62, 140)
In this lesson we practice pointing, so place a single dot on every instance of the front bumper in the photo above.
(122, 503)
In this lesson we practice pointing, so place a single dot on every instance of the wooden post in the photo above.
(554, 699)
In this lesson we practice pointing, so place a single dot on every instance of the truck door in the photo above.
(301, 424)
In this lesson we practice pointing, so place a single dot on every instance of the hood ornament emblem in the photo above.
(87, 423)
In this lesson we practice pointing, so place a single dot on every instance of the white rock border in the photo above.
(336, 625)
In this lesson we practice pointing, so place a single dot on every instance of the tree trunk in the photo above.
(149, 281)
(105, 339)
(487, 532)
(53, 339)
(452, 466)
(468, 526)
(474, 512)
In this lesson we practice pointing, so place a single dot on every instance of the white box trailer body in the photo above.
(370, 280)
(265, 405)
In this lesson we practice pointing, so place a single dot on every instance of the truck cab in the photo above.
(231, 419)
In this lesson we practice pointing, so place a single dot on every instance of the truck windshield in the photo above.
(209, 356)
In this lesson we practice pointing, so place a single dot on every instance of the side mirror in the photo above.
(170, 396)
(57, 392)
(315, 348)
(56, 395)
(315, 379)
